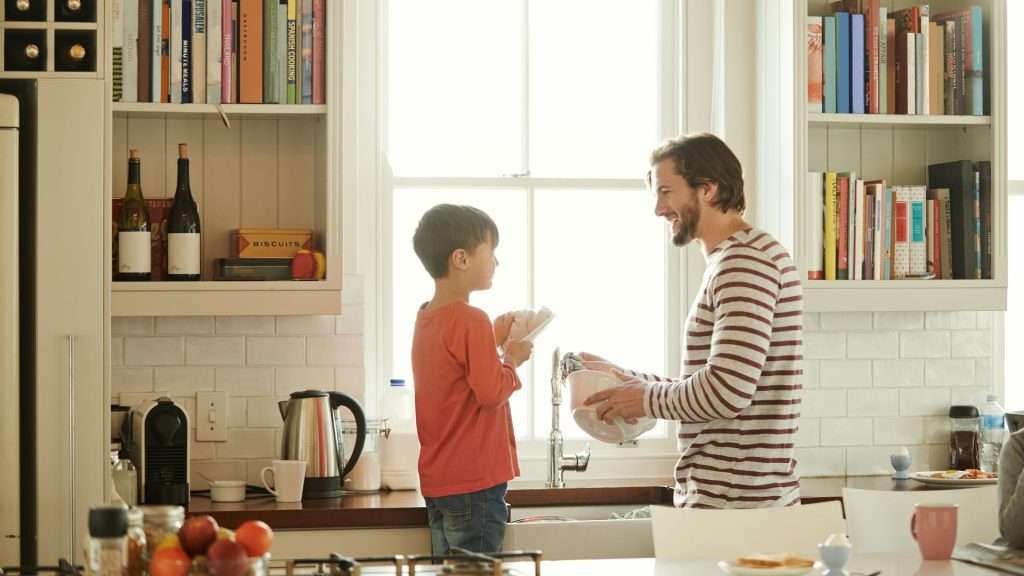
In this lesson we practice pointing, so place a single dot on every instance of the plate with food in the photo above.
(768, 565)
(969, 477)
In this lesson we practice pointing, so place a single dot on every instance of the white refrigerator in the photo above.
(54, 333)
(10, 510)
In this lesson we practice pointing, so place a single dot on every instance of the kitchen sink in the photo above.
(527, 514)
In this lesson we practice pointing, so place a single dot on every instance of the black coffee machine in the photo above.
(155, 436)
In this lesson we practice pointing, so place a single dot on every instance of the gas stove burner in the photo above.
(63, 568)
(458, 563)
(464, 562)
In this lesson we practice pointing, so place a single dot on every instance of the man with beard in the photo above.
(737, 402)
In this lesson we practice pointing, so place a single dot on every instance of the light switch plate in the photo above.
(211, 416)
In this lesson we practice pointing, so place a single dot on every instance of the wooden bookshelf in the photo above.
(899, 149)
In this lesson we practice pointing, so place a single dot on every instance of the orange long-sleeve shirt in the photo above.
(463, 417)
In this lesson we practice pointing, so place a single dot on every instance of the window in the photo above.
(1014, 316)
(542, 114)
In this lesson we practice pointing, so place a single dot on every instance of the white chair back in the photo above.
(879, 520)
(727, 534)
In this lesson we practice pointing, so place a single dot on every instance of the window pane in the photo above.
(411, 285)
(594, 86)
(1014, 319)
(600, 266)
(455, 74)
(1015, 93)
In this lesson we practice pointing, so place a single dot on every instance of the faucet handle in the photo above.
(583, 458)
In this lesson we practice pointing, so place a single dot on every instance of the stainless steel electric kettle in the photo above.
(311, 434)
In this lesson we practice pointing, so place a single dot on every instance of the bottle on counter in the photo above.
(125, 478)
(993, 432)
(106, 550)
(183, 240)
(133, 232)
(964, 437)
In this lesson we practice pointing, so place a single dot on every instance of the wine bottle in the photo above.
(133, 239)
(72, 56)
(183, 246)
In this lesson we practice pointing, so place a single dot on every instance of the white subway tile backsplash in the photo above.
(973, 395)
(351, 289)
(216, 470)
(873, 402)
(180, 381)
(245, 325)
(845, 373)
(303, 378)
(812, 322)
(823, 403)
(350, 321)
(983, 372)
(936, 430)
(898, 373)
(808, 435)
(263, 413)
(238, 412)
(215, 350)
(304, 325)
(131, 380)
(948, 373)
(349, 379)
(283, 351)
(247, 443)
(900, 431)
(985, 320)
(873, 345)
(812, 374)
(131, 326)
(951, 320)
(899, 320)
(924, 401)
(246, 381)
(820, 461)
(924, 344)
(184, 325)
(824, 345)
(156, 351)
(971, 344)
(347, 350)
(137, 398)
(845, 321)
(846, 431)
(201, 451)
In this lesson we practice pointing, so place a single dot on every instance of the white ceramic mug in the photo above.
(289, 476)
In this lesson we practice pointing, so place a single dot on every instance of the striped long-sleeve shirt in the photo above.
(738, 400)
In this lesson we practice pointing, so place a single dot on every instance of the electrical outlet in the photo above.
(211, 416)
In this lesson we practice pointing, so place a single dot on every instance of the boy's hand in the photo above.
(518, 352)
(595, 362)
(502, 326)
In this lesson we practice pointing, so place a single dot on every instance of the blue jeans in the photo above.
(474, 521)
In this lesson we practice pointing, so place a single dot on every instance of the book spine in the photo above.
(292, 46)
(157, 51)
(307, 51)
(829, 64)
(165, 51)
(976, 100)
(130, 52)
(930, 223)
(901, 235)
(214, 52)
(918, 265)
(873, 60)
(857, 88)
(977, 225)
(891, 72)
(176, 48)
(883, 62)
(227, 40)
(250, 69)
(186, 51)
(815, 253)
(949, 68)
(843, 62)
(145, 75)
(923, 60)
(198, 44)
(947, 235)
(319, 52)
(860, 211)
(890, 219)
(281, 51)
(117, 48)
(935, 44)
(235, 44)
(831, 216)
(843, 230)
(911, 73)
(815, 54)
(269, 57)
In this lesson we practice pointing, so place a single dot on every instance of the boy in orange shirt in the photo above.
(463, 419)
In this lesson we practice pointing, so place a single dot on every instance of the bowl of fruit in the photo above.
(201, 548)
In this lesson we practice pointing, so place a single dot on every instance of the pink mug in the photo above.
(934, 528)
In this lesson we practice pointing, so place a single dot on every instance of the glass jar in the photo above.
(106, 546)
(135, 548)
(964, 437)
(365, 476)
(157, 523)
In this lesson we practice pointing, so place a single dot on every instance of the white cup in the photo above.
(289, 476)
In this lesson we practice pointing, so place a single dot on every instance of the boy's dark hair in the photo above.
(705, 159)
(446, 228)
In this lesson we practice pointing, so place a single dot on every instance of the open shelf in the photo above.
(905, 119)
(166, 109)
(224, 298)
(902, 295)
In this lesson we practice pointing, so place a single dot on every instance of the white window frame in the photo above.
(375, 244)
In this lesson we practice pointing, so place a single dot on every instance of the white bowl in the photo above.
(583, 384)
(227, 490)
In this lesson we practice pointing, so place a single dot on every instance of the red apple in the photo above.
(255, 536)
(197, 533)
(227, 558)
(170, 562)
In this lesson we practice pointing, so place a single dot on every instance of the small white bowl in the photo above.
(584, 383)
(227, 490)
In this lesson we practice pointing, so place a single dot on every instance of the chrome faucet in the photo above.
(557, 463)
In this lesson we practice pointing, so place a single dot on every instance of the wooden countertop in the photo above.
(406, 508)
